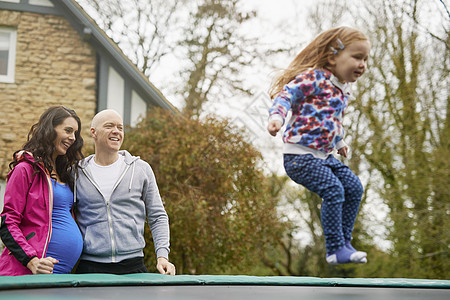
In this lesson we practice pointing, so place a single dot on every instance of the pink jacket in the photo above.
(26, 220)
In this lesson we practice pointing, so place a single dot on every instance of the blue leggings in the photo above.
(339, 188)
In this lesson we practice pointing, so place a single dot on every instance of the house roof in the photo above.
(90, 31)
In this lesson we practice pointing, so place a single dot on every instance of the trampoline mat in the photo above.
(182, 292)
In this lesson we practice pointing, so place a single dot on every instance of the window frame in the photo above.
(10, 72)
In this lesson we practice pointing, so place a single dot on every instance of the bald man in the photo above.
(116, 192)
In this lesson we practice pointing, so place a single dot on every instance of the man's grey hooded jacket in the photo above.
(113, 229)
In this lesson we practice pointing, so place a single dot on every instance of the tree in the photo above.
(302, 210)
(221, 214)
(397, 127)
(404, 116)
(209, 48)
(217, 52)
(145, 30)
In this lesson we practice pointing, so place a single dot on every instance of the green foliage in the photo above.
(404, 115)
(221, 213)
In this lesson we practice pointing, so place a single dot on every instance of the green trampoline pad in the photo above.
(155, 286)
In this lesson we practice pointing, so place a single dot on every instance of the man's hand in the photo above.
(343, 151)
(42, 265)
(165, 267)
(274, 126)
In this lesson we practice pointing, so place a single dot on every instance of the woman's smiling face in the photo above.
(65, 136)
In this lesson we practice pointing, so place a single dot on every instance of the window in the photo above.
(7, 54)
(116, 88)
(138, 109)
(41, 3)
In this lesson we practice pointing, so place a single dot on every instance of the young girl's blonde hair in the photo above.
(316, 54)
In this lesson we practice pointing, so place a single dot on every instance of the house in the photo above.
(53, 53)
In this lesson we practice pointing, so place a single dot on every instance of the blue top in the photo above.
(66, 242)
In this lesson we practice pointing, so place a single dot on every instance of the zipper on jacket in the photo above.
(50, 209)
(111, 230)
(108, 214)
(108, 210)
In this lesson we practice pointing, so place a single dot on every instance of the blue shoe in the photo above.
(345, 255)
(349, 246)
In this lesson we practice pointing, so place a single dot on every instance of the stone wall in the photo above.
(54, 66)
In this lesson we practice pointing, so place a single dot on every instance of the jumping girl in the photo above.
(315, 87)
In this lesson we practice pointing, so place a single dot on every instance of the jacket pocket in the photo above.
(127, 237)
(30, 235)
(97, 239)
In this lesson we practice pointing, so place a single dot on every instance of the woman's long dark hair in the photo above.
(40, 143)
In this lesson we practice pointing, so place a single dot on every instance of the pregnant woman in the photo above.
(37, 228)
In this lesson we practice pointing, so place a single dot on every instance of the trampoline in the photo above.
(187, 287)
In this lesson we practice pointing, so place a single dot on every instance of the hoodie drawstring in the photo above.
(132, 175)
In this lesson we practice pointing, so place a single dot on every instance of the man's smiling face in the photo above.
(107, 131)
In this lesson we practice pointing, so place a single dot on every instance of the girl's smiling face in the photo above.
(351, 62)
